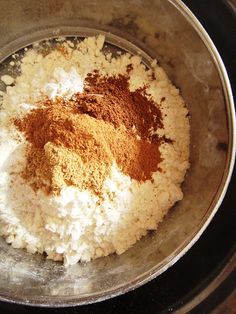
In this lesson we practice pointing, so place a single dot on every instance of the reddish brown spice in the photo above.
(76, 141)
(109, 99)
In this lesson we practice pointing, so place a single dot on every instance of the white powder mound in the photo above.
(74, 226)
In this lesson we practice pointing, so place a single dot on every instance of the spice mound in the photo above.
(75, 141)
(93, 150)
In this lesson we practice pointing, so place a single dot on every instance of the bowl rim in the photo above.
(56, 301)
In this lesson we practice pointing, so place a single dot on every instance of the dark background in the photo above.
(189, 276)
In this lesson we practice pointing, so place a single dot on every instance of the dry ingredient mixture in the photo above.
(93, 150)
(75, 141)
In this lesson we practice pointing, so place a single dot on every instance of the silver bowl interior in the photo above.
(167, 31)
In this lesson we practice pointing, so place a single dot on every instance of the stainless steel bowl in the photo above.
(168, 31)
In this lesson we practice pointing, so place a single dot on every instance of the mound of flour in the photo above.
(76, 225)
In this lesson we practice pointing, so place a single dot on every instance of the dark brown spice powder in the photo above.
(76, 141)
(109, 99)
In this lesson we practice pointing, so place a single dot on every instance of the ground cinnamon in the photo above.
(75, 142)
(109, 99)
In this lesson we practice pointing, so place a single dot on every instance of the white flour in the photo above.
(73, 227)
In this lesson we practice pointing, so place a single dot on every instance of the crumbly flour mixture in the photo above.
(78, 220)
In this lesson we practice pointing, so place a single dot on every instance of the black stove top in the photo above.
(196, 273)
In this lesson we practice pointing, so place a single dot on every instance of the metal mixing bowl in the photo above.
(168, 31)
